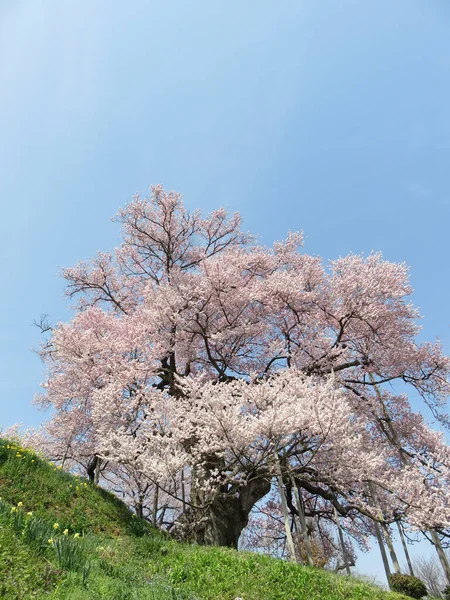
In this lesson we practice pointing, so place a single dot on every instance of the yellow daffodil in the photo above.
(66, 532)
(20, 504)
(50, 541)
(55, 525)
(76, 535)
(30, 514)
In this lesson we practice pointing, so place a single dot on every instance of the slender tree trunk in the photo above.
(383, 552)
(296, 524)
(379, 537)
(284, 506)
(385, 530)
(162, 512)
(66, 453)
(304, 529)
(97, 471)
(139, 508)
(442, 556)
(342, 542)
(91, 467)
(183, 491)
(390, 545)
(405, 548)
(155, 504)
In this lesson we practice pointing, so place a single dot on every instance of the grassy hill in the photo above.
(64, 538)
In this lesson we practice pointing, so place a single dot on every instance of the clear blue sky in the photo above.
(330, 116)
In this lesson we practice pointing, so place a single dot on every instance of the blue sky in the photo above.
(332, 117)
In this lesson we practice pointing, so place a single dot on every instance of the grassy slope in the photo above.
(122, 558)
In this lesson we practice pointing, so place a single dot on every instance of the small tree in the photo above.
(408, 584)
(429, 570)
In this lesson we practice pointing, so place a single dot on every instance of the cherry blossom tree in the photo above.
(208, 365)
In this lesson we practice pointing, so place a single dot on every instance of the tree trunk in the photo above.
(380, 539)
(287, 526)
(217, 518)
(97, 471)
(139, 508)
(390, 545)
(385, 529)
(298, 540)
(405, 548)
(442, 556)
(342, 542)
(304, 529)
(91, 467)
(155, 504)
(183, 491)
(383, 552)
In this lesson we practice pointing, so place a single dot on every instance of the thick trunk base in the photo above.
(220, 522)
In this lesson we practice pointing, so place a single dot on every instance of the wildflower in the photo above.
(32, 460)
(77, 488)
(13, 509)
(55, 525)
(66, 532)
(20, 504)
(85, 485)
(30, 514)
(50, 541)
(76, 535)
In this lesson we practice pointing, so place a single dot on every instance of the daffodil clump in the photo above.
(23, 520)
(21, 452)
(65, 532)
(43, 535)
(79, 487)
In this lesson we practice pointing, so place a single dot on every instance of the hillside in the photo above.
(63, 538)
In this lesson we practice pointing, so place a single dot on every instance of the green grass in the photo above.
(119, 557)
(23, 572)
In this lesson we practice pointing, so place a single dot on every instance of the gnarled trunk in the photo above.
(218, 518)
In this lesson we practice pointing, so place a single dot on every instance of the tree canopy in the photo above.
(202, 365)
